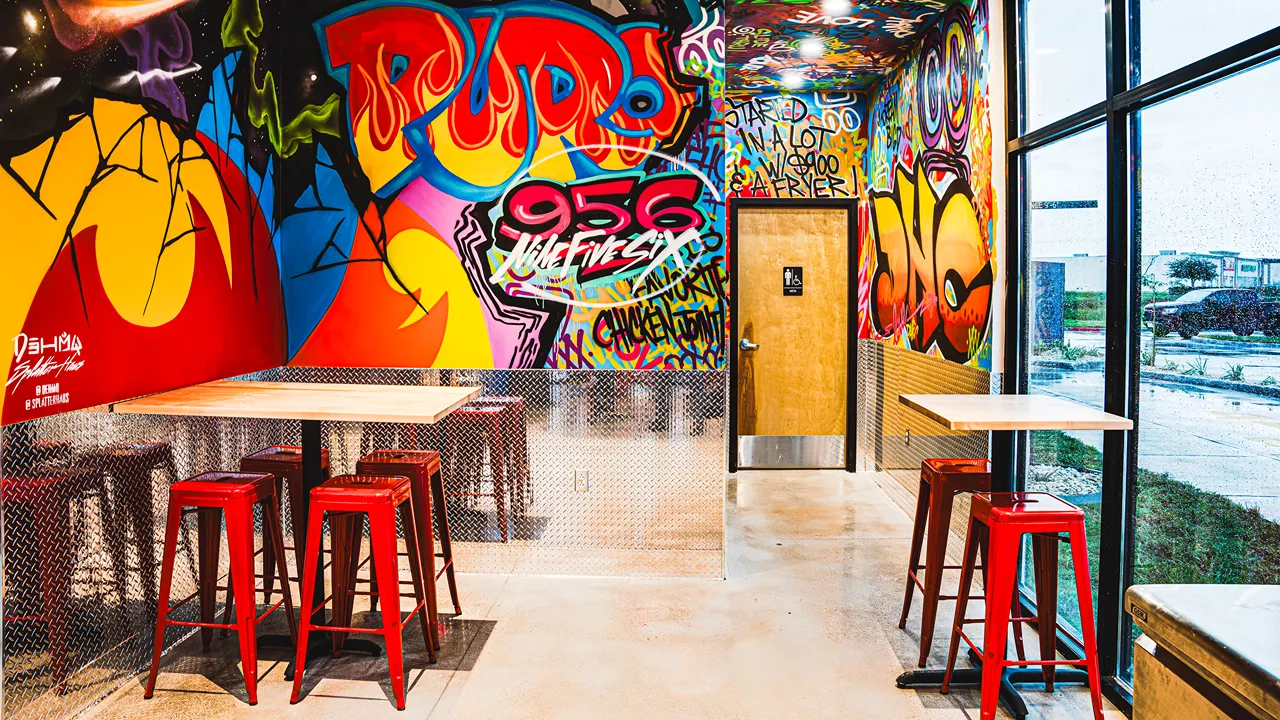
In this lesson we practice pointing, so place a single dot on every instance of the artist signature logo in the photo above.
(40, 357)
(600, 231)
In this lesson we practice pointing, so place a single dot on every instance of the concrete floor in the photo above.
(805, 626)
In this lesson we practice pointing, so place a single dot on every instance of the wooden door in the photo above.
(793, 307)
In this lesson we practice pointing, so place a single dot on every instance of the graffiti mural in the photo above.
(823, 45)
(928, 261)
(807, 145)
(512, 181)
(136, 248)
(198, 190)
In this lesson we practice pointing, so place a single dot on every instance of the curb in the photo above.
(1255, 348)
(1249, 388)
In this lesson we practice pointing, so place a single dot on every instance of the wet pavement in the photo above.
(1222, 441)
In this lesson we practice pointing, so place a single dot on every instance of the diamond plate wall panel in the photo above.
(625, 478)
(894, 439)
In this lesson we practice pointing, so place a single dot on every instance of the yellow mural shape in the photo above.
(426, 265)
(127, 174)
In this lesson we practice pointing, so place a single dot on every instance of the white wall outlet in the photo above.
(582, 480)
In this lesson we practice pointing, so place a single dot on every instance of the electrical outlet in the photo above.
(582, 480)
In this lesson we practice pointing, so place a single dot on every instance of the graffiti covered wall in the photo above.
(808, 145)
(514, 185)
(136, 248)
(928, 254)
(198, 190)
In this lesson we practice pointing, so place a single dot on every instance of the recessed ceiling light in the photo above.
(793, 80)
(836, 8)
(811, 47)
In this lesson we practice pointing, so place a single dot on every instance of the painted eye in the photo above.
(644, 98)
(562, 83)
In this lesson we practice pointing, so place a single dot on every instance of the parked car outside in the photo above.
(1239, 310)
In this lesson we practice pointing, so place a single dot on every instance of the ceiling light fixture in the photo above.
(29, 18)
(811, 47)
(793, 80)
(836, 8)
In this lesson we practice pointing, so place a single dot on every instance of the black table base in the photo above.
(1009, 695)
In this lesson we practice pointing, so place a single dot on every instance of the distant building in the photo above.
(1089, 272)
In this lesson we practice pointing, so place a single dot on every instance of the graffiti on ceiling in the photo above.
(821, 44)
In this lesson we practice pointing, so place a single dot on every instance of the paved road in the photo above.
(1219, 440)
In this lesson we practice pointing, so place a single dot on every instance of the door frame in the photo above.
(853, 252)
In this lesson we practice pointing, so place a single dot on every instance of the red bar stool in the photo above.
(345, 498)
(210, 494)
(473, 435)
(130, 466)
(1002, 519)
(44, 544)
(422, 467)
(941, 479)
(285, 463)
(516, 442)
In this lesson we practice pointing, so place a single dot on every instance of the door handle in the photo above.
(746, 344)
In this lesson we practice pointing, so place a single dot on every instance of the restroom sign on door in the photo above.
(792, 280)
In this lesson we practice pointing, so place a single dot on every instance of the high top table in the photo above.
(311, 403)
(1005, 414)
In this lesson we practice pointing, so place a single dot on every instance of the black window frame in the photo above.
(1118, 112)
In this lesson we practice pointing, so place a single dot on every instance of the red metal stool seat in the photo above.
(941, 479)
(210, 494)
(43, 545)
(474, 438)
(422, 467)
(515, 442)
(285, 463)
(1002, 519)
(344, 498)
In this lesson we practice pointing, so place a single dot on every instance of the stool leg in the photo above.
(353, 540)
(917, 542)
(339, 577)
(499, 479)
(426, 619)
(240, 546)
(937, 533)
(1002, 575)
(144, 514)
(446, 543)
(1084, 595)
(55, 578)
(271, 523)
(166, 580)
(312, 545)
(382, 531)
(373, 567)
(972, 540)
(269, 550)
(209, 541)
(298, 522)
(1044, 556)
(425, 547)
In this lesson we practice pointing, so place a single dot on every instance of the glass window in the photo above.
(1173, 33)
(1208, 482)
(1067, 255)
(1066, 69)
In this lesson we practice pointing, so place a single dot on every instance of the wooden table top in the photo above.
(306, 401)
(1013, 412)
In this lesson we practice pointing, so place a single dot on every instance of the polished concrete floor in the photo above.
(804, 626)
